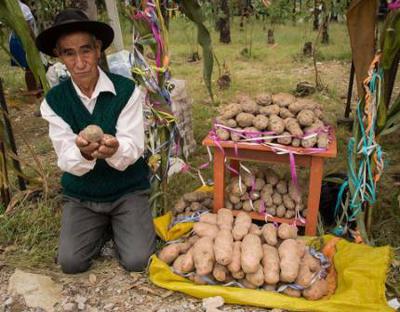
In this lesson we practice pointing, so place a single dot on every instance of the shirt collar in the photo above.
(104, 84)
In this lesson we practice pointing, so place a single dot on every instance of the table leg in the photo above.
(314, 194)
(235, 165)
(219, 179)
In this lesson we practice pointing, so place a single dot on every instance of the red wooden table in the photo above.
(237, 151)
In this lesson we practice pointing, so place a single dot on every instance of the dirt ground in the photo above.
(107, 287)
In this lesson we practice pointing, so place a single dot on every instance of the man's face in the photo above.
(80, 52)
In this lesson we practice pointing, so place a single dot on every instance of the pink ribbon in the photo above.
(394, 5)
(293, 170)
(262, 207)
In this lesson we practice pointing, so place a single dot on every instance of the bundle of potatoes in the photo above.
(193, 202)
(224, 250)
(265, 192)
(288, 117)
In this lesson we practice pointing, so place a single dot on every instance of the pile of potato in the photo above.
(193, 202)
(227, 250)
(291, 119)
(266, 192)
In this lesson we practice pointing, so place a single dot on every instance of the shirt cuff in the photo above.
(118, 160)
(76, 164)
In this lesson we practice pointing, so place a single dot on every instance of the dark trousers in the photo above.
(85, 224)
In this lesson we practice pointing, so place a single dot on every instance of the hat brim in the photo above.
(46, 41)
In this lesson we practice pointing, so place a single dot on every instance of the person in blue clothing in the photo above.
(105, 184)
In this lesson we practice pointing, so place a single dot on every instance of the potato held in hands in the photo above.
(92, 133)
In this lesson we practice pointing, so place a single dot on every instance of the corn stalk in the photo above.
(193, 11)
(12, 18)
(161, 125)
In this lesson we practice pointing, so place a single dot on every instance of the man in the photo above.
(106, 183)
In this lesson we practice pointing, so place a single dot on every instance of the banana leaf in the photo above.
(390, 45)
(394, 108)
(393, 119)
(11, 15)
(192, 10)
(390, 42)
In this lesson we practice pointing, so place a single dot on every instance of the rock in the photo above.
(91, 309)
(39, 291)
(109, 306)
(8, 302)
(92, 279)
(70, 306)
(80, 300)
(394, 303)
(212, 303)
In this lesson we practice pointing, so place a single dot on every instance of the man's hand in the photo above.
(108, 147)
(87, 148)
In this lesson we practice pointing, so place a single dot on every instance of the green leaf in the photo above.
(390, 42)
(390, 130)
(392, 124)
(394, 108)
(192, 10)
(150, 42)
(335, 180)
(11, 15)
(155, 196)
(382, 109)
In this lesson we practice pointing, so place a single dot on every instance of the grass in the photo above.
(34, 227)
(31, 233)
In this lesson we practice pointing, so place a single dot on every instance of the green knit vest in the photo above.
(103, 183)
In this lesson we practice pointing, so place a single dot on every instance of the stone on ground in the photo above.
(39, 291)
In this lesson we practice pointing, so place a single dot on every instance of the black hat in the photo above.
(68, 21)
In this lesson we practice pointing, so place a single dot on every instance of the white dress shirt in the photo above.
(130, 131)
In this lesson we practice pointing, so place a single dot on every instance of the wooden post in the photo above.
(349, 92)
(112, 12)
(4, 185)
(314, 194)
(219, 179)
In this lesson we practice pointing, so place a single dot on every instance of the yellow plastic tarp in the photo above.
(162, 223)
(361, 272)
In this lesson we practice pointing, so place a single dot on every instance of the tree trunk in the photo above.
(113, 16)
(316, 15)
(271, 37)
(325, 34)
(325, 26)
(91, 10)
(164, 12)
(294, 12)
(307, 49)
(223, 23)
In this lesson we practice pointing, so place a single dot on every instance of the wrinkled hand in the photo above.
(87, 148)
(108, 147)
